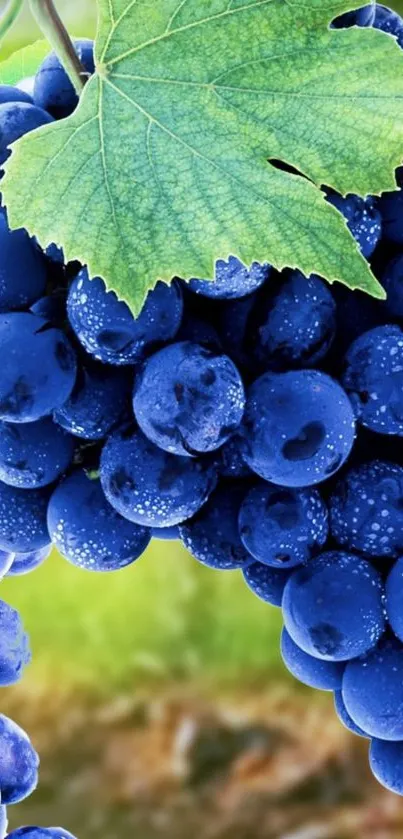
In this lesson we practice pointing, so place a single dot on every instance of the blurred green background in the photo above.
(159, 702)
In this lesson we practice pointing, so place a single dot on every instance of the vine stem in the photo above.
(55, 32)
(9, 17)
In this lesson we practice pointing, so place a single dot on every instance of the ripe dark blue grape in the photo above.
(360, 17)
(188, 400)
(333, 608)
(282, 527)
(14, 646)
(18, 763)
(230, 462)
(106, 327)
(6, 560)
(293, 325)
(149, 486)
(391, 208)
(232, 280)
(17, 119)
(41, 368)
(23, 519)
(33, 832)
(344, 716)
(373, 379)
(267, 583)
(363, 219)
(373, 691)
(386, 762)
(314, 672)
(53, 90)
(298, 429)
(394, 598)
(52, 308)
(23, 270)
(212, 535)
(392, 281)
(101, 396)
(166, 534)
(88, 531)
(33, 454)
(366, 509)
(388, 21)
(9, 93)
(357, 312)
(25, 563)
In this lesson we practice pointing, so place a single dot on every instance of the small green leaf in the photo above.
(164, 166)
(23, 63)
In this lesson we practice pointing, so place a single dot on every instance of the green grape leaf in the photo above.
(167, 164)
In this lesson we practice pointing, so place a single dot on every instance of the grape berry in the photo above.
(257, 418)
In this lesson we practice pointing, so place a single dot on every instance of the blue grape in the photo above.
(18, 763)
(198, 331)
(101, 396)
(388, 21)
(40, 371)
(106, 327)
(282, 527)
(53, 89)
(366, 509)
(32, 832)
(17, 119)
(232, 279)
(23, 519)
(386, 762)
(233, 319)
(391, 208)
(360, 17)
(333, 607)
(14, 646)
(55, 254)
(52, 308)
(188, 400)
(394, 598)
(33, 454)
(23, 272)
(373, 379)
(392, 281)
(25, 563)
(298, 429)
(344, 716)
(3, 821)
(9, 93)
(363, 219)
(314, 672)
(267, 583)
(294, 324)
(6, 561)
(149, 486)
(230, 462)
(212, 535)
(357, 312)
(87, 531)
(373, 691)
(166, 534)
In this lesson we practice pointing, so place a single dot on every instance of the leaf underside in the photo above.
(163, 168)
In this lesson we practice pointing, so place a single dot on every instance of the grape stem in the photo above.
(9, 17)
(55, 32)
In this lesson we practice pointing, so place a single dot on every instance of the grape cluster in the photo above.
(257, 418)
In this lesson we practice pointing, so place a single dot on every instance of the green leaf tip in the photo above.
(163, 168)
